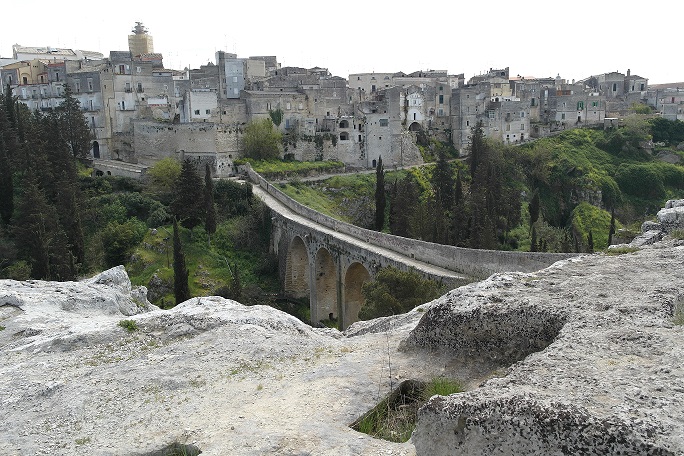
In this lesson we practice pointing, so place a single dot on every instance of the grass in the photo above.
(269, 168)
(129, 325)
(621, 250)
(394, 418)
(677, 234)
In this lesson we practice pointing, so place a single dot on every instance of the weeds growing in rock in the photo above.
(394, 418)
(678, 312)
(129, 325)
(621, 250)
(677, 234)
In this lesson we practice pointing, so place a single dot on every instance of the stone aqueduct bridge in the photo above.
(328, 260)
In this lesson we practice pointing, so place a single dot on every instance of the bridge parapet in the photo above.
(472, 262)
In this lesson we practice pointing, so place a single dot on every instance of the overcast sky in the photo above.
(532, 37)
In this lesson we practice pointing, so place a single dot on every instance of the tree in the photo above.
(395, 292)
(120, 239)
(164, 174)
(187, 204)
(380, 197)
(276, 116)
(6, 185)
(40, 239)
(261, 141)
(181, 289)
(235, 284)
(590, 242)
(402, 205)
(533, 240)
(534, 207)
(443, 181)
(477, 148)
(209, 207)
(611, 231)
(74, 125)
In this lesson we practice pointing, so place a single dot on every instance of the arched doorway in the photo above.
(297, 270)
(415, 126)
(354, 279)
(96, 149)
(325, 276)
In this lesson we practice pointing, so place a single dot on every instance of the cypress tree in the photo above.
(181, 289)
(6, 185)
(209, 207)
(611, 232)
(534, 207)
(590, 242)
(380, 197)
(74, 125)
(188, 196)
(235, 284)
(443, 181)
(533, 241)
(477, 148)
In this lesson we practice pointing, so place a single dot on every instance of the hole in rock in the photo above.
(176, 449)
(394, 418)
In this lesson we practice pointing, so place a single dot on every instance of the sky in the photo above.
(531, 37)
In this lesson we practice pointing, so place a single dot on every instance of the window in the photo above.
(642, 87)
(234, 78)
(563, 116)
(522, 114)
(373, 88)
(236, 91)
(287, 105)
(268, 106)
(208, 111)
(614, 87)
(90, 84)
(127, 88)
(594, 104)
(140, 87)
(138, 69)
(440, 112)
(532, 102)
(441, 99)
(300, 106)
(580, 105)
(197, 112)
(384, 122)
(508, 127)
(77, 83)
(467, 123)
(344, 136)
(522, 126)
(57, 76)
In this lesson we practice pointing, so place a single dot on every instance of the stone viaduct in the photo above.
(328, 260)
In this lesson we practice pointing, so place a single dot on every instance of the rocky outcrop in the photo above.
(599, 367)
(668, 220)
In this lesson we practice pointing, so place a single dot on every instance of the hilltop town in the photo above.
(140, 112)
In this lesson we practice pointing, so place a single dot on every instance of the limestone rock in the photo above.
(647, 238)
(671, 218)
(598, 356)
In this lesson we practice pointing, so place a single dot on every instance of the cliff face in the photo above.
(583, 357)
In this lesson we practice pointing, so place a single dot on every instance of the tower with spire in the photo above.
(140, 42)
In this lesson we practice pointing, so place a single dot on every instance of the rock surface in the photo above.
(607, 377)
(580, 358)
(227, 378)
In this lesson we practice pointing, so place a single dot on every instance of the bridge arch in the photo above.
(325, 279)
(297, 269)
(354, 278)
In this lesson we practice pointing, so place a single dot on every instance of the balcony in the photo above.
(140, 90)
(127, 90)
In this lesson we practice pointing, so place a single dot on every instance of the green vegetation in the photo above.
(394, 292)
(621, 250)
(129, 325)
(558, 190)
(280, 169)
(394, 418)
(261, 140)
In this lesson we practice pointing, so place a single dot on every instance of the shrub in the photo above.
(119, 240)
(395, 292)
(129, 325)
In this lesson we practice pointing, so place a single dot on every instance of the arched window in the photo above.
(96, 149)
(344, 124)
(344, 136)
